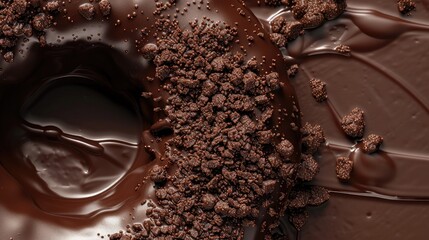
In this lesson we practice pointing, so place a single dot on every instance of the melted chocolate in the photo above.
(385, 75)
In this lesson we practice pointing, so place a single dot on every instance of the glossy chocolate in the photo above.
(77, 136)
(385, 74)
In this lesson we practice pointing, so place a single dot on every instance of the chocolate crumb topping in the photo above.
(312, 138)
(220, 147)
(298, 218)
(87, 10)
(318, 90)
(105, 7)
(343, 49)
(343, 168)
(308, 168)
(372, 143)
(290, 30)
(353, 124)
(293, 70)
(406, 6)
(278, 39)
(313, 13)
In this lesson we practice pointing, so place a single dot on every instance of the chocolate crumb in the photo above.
(312, 138)
(298, 218)
(308, 168)
(318, 195)
(299, 198)
(293, 71)
(406, 6)
(269, 186)
(149, 51)
(285, 148)
(343, 168)
(292, 30)
(8, 57)
(87, 10)
(318, 90)
(105, 7)
(372, 143)
(353, 124)
(343, 49)
(158, 174)
(278, 39)
(41, 21)
(208, 201)
(52, 6)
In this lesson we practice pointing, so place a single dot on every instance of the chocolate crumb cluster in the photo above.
(231, 167)
(308, 14)
(22, 18)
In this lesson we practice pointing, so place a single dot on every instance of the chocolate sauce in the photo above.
(385, 75)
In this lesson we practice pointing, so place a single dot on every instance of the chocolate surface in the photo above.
(384, 74)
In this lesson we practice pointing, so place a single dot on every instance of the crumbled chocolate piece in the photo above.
(52, 6)
(285, 31)
(343, 168)
(343, 49)
(318, 195)
(318, 90)
(41, 21)
(158, 174)
(87, 10)
(312, 138)
(299, 198)
(149, 51)
(277, 24)
(8, 57)
(269, 186)
(353, 124)
(105, 7)
(406, 6)
(313, 13)
(292, 30)
(298, 218)
(278, 39)
(265, 137)
(208, 201)
(372, 143)
(285, 149)
(293, 71)
(308, 168)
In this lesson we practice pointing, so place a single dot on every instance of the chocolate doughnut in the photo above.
(120, 112)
